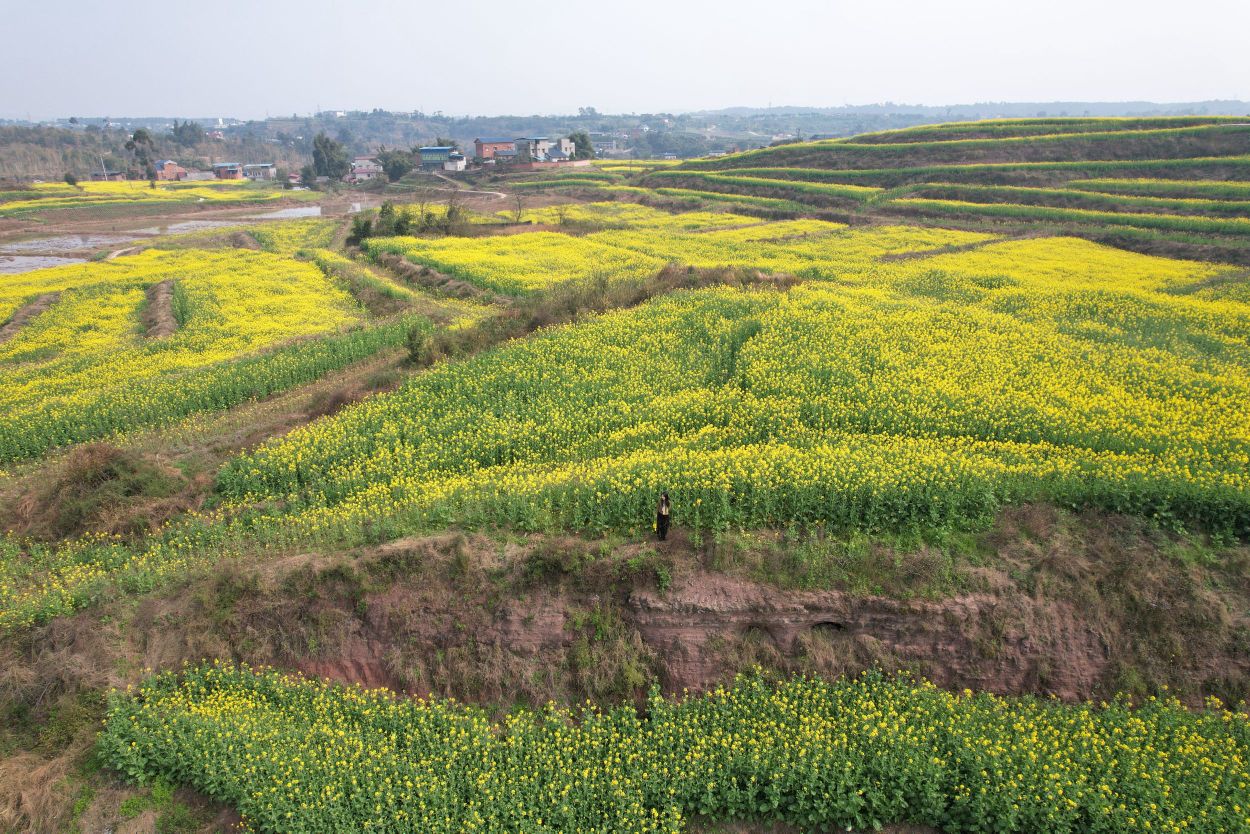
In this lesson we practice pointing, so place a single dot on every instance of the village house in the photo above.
(107, 176)
(606, 143)
(484, 149)
(260, 171)
(364, 169)
(228, 170)
(455, 162)
(434, 156)
(168, 170)
(542, 149)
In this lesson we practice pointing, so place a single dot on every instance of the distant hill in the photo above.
(644, 135)
(1007, 109)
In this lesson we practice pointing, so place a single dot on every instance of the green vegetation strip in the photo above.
(1172, 222)
(894, 176)
(563, 182)
(1164, 142)
(693, 196)
(853, 192)
(1042, 126)
(295, 755)
(1208, 189)
(1072, 198)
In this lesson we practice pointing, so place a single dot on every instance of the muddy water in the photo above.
(14, 264)
(288, 213)
(186, 226)
(63, 243)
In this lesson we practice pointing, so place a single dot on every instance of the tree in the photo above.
(385, 225)
(362, 227)
(188, 134)
(329, 157)
(70, 179)
(444, 142)
(583, 147)
(142, 150)
(395, 163)
(308, 176)
(420, 344)
(455, 212)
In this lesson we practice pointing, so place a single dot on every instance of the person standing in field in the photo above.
(662, 515)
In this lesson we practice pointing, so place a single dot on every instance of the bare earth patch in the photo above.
(26, 313)
(158, 315)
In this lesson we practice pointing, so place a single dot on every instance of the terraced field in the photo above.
(95, 349)
(920, 377)
(1171, 186)
(90, 365)
(41, 198)
(894, 391)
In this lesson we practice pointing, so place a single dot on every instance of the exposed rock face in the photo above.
(970, 641)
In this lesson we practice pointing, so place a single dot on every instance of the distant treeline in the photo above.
(37, 152)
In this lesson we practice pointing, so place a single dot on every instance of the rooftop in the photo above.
(494, 140)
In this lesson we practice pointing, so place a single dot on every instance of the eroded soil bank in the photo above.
(1045, 602)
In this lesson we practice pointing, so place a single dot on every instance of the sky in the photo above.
(252, 58)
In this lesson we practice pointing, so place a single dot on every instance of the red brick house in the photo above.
(167, 169)
(487, 148)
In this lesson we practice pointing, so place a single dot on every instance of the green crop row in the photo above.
(1120, 144)
(295, 755)
(1171, 222)
(695, 197)
(805, 189)
(999, 170)
(1042, 126)
(568, 181)
(1065, 198)
(1206, 189)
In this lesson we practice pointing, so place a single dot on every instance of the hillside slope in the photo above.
(1167, 186)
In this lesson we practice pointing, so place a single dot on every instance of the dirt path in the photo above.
(158, 315)
(27, 312)
(119, 252)
(459, 186)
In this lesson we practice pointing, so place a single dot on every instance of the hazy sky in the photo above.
(249, 59)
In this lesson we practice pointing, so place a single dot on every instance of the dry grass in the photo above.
(158, 311)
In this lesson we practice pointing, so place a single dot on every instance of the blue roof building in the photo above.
(435, 154)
